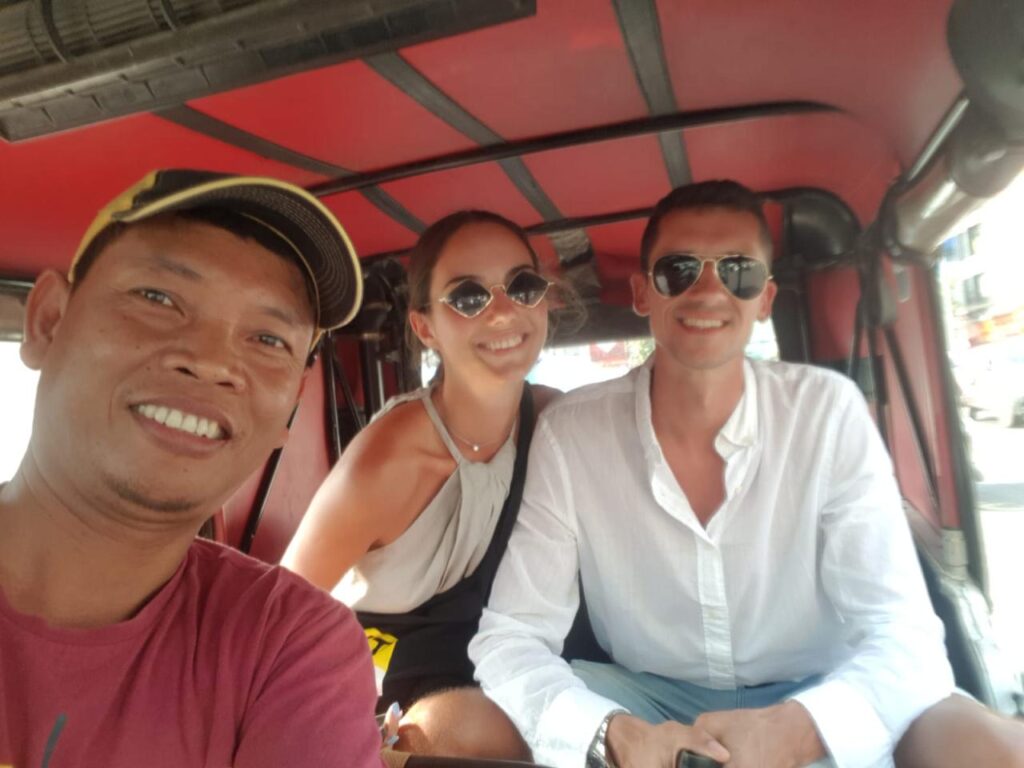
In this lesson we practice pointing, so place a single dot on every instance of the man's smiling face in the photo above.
(706, 326)
(168, 374)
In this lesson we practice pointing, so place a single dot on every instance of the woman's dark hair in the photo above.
(428, 249)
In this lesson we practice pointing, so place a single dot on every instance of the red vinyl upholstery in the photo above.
(304, 465)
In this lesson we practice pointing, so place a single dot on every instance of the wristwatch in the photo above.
(597, 755)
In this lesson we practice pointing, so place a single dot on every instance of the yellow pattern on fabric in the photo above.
(382, 645)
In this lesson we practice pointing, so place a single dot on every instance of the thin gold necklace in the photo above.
(474, 446)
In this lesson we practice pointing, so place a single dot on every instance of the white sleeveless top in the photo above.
(448, 539)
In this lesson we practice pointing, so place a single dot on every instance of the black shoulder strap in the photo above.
(510, 510)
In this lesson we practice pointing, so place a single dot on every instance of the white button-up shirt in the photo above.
(807, 567)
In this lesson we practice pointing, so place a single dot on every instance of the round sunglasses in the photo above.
(744, 277)
(470, 297)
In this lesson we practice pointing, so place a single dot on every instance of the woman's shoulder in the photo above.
(387, 473)
(390, 442)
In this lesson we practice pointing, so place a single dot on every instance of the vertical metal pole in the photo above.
(963, 480)
(916, 422)
(328, 362)
(881, 390)
(853, 362)
(373, 376)
(259, 504)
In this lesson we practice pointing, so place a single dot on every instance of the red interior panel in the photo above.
(917, 336)
(910, 471)
(832, 298)
(303, 467)
(371, 230)
(895, 76)
(63, 180)
(346, 114)
(620, 240)
(618, 256)
(602, 178)
(484, 186)
(824, 150)
(567, 67)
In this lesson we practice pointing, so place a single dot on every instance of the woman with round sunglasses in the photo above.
(410, 525)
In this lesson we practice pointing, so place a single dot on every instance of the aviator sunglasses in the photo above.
(744, 277)
(470, 297)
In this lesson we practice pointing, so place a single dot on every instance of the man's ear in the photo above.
(44, 310)
(764, 311)
(641, 287)
(421, 326)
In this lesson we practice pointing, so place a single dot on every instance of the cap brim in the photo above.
(319, 240)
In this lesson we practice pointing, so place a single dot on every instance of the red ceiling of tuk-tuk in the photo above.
(831, 151)
(51, 188)
(318, 113)
(884, 65)
(477, 186)
(565, 68)
(371, 230)
(885, 62)
(604, 177)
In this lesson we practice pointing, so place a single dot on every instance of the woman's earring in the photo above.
(431, 358)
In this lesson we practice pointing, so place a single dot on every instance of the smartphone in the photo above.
(692, 760)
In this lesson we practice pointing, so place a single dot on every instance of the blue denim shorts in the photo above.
(656, 699)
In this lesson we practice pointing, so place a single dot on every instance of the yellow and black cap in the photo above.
(293, 215)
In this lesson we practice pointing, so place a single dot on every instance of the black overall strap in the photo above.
(488, 567)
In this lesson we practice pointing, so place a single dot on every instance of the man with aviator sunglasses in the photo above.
(747, 565)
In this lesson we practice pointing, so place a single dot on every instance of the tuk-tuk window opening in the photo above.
(16, 412)
(980, 272)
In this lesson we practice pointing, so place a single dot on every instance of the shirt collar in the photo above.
(644, 421)
(740, 430)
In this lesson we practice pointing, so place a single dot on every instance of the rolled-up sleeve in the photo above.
(897, 666)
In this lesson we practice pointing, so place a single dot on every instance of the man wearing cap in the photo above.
(170, 360)
(747, 566)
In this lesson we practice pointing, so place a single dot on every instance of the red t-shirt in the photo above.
(232, 663)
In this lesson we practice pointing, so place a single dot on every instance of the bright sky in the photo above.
(1002, 246)
(1003, 211)
(19, 396)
